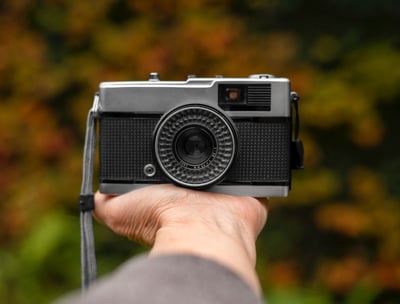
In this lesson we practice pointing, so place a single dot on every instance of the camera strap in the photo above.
(86, 202)
(297, 149)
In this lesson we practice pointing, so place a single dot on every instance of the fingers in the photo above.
(136, 214)
(100, 201)
(264, 202)
(140, 213)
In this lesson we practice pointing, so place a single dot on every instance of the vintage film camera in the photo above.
(226, 135)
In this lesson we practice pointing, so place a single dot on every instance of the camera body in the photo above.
(225, 135)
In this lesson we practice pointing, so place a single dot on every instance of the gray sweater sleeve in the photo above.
(169, 279)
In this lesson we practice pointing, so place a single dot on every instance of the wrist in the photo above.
(234, 250)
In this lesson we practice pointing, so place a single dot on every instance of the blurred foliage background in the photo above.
(336, 239)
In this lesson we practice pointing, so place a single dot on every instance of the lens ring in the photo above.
(204, 165)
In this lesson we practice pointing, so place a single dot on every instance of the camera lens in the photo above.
(195, 145)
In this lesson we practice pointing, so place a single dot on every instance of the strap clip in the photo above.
(86, 202)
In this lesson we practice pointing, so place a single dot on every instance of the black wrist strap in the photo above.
(294, 98)
(86, 202)
(297, 149)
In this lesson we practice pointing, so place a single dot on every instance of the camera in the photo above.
(225, 135)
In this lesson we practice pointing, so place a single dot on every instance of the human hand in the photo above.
(177, 220)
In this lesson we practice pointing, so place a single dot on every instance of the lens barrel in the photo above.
(195, 145)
